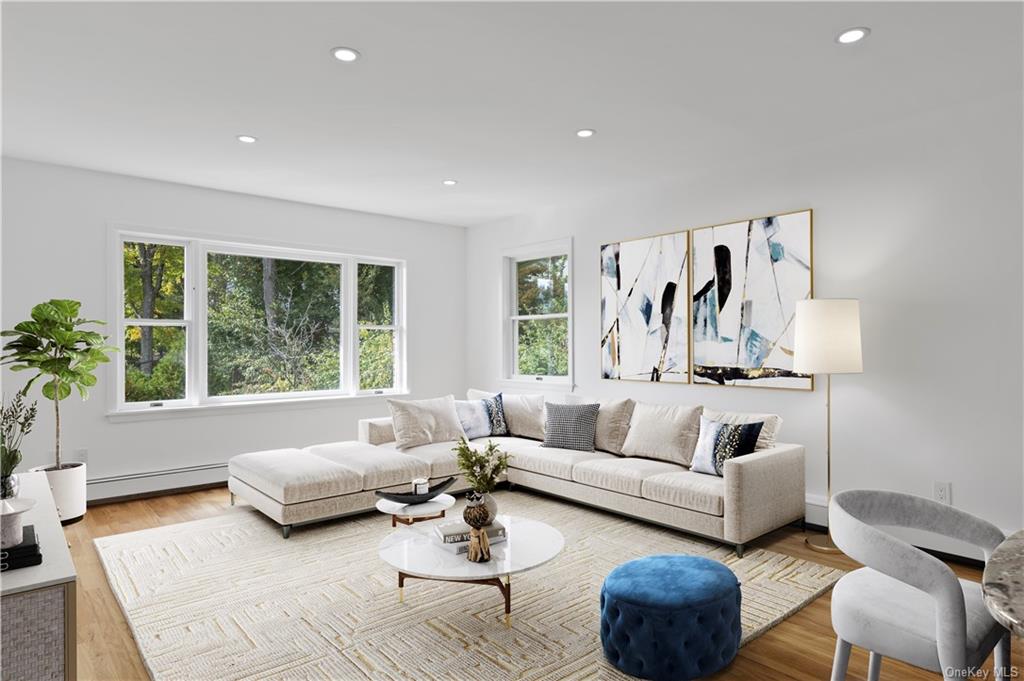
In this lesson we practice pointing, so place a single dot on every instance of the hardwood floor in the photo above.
(798, 649)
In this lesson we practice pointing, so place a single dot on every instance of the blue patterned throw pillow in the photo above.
(481, 418)
(571, 426)
(721, 441)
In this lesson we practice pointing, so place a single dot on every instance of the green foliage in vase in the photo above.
(481, 469)
(53, 345)
(16, 421)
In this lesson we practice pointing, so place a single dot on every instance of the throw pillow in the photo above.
(420, 422)
(772, 424)
(481, 418)
(664, 432)
(721, 441)
(524, 414)
(571, 426)
(613, 424)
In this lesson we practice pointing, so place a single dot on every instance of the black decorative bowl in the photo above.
(400, 498)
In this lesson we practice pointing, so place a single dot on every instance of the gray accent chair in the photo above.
(907, 604)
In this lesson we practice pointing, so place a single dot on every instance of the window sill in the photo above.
(161, 413)
(548, 382)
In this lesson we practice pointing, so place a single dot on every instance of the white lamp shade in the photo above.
(827, 337)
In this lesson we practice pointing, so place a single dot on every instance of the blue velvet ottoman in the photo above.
(670, 617)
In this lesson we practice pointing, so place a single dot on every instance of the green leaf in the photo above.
(68, 308)
(87, 379)
(49, 390)
(25, 327)
(46, 312)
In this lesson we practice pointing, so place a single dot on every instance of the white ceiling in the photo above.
(487, 93)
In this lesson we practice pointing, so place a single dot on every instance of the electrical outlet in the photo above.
(82, 455)
(944, 493)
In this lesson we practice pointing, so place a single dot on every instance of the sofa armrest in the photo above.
(763, 491)
(376, 431)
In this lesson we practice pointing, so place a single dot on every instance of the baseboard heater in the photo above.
(156, 474)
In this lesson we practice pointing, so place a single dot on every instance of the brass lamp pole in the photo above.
(827, 341)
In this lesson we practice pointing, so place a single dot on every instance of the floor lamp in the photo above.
(827, 341)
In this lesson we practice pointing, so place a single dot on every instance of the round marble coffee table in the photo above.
(1003, 583)
(407, 514)
(415, 553)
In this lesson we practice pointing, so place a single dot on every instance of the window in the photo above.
(209, 322)
(538, 344)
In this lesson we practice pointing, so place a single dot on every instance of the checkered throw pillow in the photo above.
(571, 426)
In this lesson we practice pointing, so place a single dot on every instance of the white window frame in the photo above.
(194, 320)
(509, 309)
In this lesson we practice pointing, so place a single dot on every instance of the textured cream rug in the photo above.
(228, 598)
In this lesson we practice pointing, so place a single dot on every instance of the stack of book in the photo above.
(454, 536)
(25, 554)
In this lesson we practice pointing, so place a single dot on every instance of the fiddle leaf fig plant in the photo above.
(61, 353)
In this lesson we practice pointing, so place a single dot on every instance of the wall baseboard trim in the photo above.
(155, 493)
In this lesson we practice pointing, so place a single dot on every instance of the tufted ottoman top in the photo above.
(670, 617)
(670, 582)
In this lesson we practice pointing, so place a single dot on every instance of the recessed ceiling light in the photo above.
(853, 35)
(346, 54)
(449, 183)
(246, 139)
(585, 132)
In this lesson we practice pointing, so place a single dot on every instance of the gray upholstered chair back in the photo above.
(853, 515)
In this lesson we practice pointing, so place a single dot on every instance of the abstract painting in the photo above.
(747, 278)
(644, 309)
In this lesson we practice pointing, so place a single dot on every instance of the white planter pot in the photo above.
(68, 487)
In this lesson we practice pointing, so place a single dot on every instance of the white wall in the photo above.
(55, 222)
(920, 220)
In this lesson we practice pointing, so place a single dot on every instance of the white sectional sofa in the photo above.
(757, 493)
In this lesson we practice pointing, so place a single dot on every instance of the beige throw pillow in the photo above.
(665, 432)
(772, 423)
(613, 424)
(420, 422)
(524, 414)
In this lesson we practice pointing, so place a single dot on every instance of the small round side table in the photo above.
(407, 514)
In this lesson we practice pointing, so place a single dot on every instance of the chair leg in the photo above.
(874, 666)
(1002, 662)
(841, 660)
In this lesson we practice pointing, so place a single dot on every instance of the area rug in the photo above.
(228, 598)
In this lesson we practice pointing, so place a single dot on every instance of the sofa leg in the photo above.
(232, 498)
(511, 485)
(286, 531)
(739, 550)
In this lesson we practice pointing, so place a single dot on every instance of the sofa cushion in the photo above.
(620, 475)
(524, 414)
(420, 422)
(571, 426)
(290, 476)
(665, 432)
(438, 455)
(686, 489)
(378, 466)
(613, 424)
(557, 463)
(769, 432)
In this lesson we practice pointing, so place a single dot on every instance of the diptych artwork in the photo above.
(645, 309)
(747, 277)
